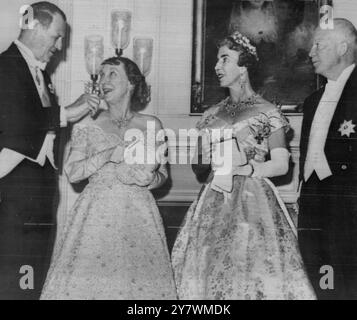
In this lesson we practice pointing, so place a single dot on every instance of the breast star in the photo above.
(347, 128)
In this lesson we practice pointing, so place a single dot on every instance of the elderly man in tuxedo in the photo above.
(29, 120)
(328, 166)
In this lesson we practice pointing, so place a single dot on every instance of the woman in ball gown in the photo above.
(113, 245)
(237, 240)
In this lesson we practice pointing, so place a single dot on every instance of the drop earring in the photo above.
(242, 81)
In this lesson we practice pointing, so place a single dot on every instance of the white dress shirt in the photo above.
(316, 158)
(35, 67)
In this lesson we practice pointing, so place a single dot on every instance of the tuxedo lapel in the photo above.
(32, 120)
(310, 107)
(310, 110)
(22, 71)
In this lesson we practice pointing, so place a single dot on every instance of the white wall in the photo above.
(346, 9)
(9, 21)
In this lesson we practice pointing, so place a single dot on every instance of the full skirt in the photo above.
(113, 247)
(240, 246)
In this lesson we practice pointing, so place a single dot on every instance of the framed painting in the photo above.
(281, 30)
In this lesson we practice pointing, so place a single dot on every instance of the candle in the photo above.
(94, 57)
(142, 53)
(93, 64)
(120, 29)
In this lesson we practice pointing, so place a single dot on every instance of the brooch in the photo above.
(262, 129)
(347, 128)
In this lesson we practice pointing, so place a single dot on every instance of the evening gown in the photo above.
(113, 245)
(243, 245)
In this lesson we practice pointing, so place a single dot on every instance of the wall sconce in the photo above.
(143, 50)
(121, 26)
(94, 52)
(120, 38)
(142, 55)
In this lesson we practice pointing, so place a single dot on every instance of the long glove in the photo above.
(277, 166)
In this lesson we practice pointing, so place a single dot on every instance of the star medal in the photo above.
(347, 128)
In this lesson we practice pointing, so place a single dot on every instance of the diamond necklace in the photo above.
(122, 122)
(234, 108)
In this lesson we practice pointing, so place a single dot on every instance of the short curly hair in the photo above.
(141, 93)
(246, 59)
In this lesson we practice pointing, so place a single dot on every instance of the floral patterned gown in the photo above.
(113, 245)
(243, 246)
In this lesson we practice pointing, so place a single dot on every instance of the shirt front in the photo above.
(316, 159)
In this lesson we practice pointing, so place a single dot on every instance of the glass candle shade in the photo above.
(94, 53)
(120, 29)
(143, 51)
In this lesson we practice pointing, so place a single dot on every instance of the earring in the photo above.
(242, 81)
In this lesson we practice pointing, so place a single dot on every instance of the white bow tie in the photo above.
(40, 65)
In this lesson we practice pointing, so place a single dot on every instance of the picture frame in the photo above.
(282, 32)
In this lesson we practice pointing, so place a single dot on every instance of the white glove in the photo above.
(277, 166)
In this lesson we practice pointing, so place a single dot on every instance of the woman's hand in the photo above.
(246, 170)
(118, 154)
(103, 105)
(93, 102)
(143, 175)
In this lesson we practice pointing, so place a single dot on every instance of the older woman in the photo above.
(238, 241)
(113, 245)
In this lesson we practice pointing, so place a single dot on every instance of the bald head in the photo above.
(346, 31)
(334, 49)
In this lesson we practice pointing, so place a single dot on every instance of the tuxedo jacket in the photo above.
(28, 193)
(341, 147)
(24, 122)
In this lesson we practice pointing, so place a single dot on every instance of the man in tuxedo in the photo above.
(29, 120)
(328, 166)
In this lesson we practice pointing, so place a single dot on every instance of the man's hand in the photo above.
(82, 106)
(92, 101)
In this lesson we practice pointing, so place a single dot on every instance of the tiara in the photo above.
(245, 43)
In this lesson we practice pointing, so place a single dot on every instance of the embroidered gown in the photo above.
(243, 246)
(113, 245)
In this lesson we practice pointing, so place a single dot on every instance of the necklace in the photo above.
(122, 122)
(234, 108)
